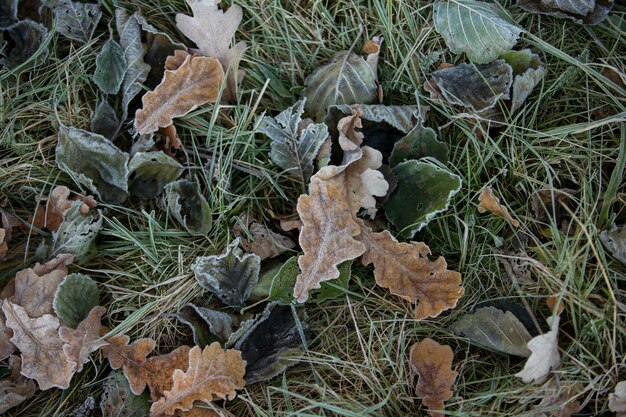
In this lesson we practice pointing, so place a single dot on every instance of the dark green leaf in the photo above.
(27, 37)
(589, 12)
(419, 143)
(104, 121)
(615, 241)
(150, 172)
(185, 203)
(8, 13)
(75, 297)
(110, 67)
(119, 401)
(207, 325)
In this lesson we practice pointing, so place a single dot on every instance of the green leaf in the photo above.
(95, 162)
(8, 13)
(590, 12)
(347, 79)
(185, 203)
(104, 120)
(75, 297)
(76, 233)
(401, 118)
(150, 172)
(528, 71)
(73, 19)
(119, 401)
(419, 143)
(207, 325)
(26, 39)
(424, 189)
(330, 290)
(495, 330)
(230, 276)
(294, 149)
(482, 30)
(614, 241)
(110, 67)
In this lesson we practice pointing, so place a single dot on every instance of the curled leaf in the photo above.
(149, 172)
(188, 206)
(73, 19)
(110, 67)
(79, 343)
(51, 217)
(262, 241)
(401, 118)
(74, 298)
(207, 325)
(590, 12)
(545, 354)
(118, 401)
(488, 202)
(8, 13)
(28, 37)
(15, 389)
(528, 71)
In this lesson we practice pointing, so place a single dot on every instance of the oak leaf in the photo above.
(194, 83)
(405, 269)
(213, 373)
(488, 202)
(118, 401)
(59, 202)
(263, 241)
(433, 363)
(121, 354)
(42, 348)
(15, 389)
(79, 343)
(545, 354)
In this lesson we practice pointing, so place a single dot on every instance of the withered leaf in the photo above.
(405, 269)
(213, 373)
(187, 205)
(528, 71)
(545, 354)
(3, 245)
(590, 12)
(77, 233)
(433, 364)
(488, 202)
(51, 216)
(15, 389)
(401, 118)
(75, 297)
(617, 399)
(118, 401)
(196, 82)
(6, 346)
(110, 67)
(27, 37)
(263, 241)
(79, 343)
(150, 172)
(73, 19)
(42, 348)
(207, 325)
(133, 356)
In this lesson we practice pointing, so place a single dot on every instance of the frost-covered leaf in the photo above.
(545, 354)
(476, 87)
(589, 12)
(8, 13)
(259, 239)
(15, 389)
(617, 399)
(295, 143)
(405, 269)
(614, 241)
(79, 343)
(419, 143)
(129, 357)
(488, 202)
(213, 373)
(118, 401)
(424, 189)
(433, 363)
(347, 79)
(51, 215)
(495, 330)
(95, 161)
(77, 233)
(482, 30)
(528, 71)
(110, 67)
(188, 206)
(150, 172)
(230, 276)
(207, 325)
(194, 83)
(26, 39)
(104, 120)
(401, 118)
(85, 409)
(268, 343)
(74, 19)
(75, 297)
(42, 349)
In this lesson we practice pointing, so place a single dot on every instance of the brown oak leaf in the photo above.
(194, 83)
(263, 241)
(15, 389)
(120, 353)
(79, 343)
(42, 349)
(488, 202)
(213, 373)
(156, 372)
(173, 62)
(405, 269)
(433, 364)
(3, 244)
(52, 214)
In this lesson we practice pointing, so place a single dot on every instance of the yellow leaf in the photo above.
(83, 340)
(488, 202)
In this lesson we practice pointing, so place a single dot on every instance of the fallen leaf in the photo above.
(263, 241)
(187, 205)
(110, 67)
(401, 118)
(130, 357)
(56, 208)
(468, 26)
(545, 354)
(173, 62)
(85, 409)
(149, 172)
(77, 233)
(42, 349)
(170, 143)
(590, 12)
(79, 343)
(194, 83)
(75, 297)
(617, 400)
(488, 202)
(433, 364)
(118, 401)
(559, 399)
(104, 120)
(213, 373)
(296, 143)
(26, 39)
(15, 389)
(3, 245)
(419, 143)
(405, 269)
(614, 241)
(213, 30)
(207, 325)
(73, 19)
(528, 71)
(8, 13)
(495, 330)
(6, 346)
(230, 276)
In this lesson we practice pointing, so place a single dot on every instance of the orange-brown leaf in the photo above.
(131, 357)
(213, 373)
(433, 364)
(84, 340)
(58, 203)
(194, 83)
(405, 269)
(173, 62)
(157, 372)
(488, 202)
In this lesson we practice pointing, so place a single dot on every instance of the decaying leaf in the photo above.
(42, 349)
(188, 206)
(433, 364)
(196, 82)
(75, 297)
(85, 409)
(419, 143)
(528, 71)
(617, 399)
(230, 276)
(405, 269)
(73, 19)
(545, 354)
(213, 30)
(6, 346)
(104, 120)
(488, 202)
(110, 67)
(15, 389)
(27, 37)
(263, 241)
(590, 12)
(560, 399)
(168, 141)
(295, 142)
(52, 214)
(207, 325)
(77, 233)
(424, 189)
(150, 172)
(94, 161)
(213, 373)
(614, 241)
(118, 401)
(3, 245)
(79, 343)
(482, 30)
(347, 79)
(495, 330)
(400, 118)
(130, 357)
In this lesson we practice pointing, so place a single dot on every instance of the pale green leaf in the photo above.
(528, 71)
(75, 297)
(110, 67)
(615, 241)
(76, 233)
(150, 172)
(188, 206)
